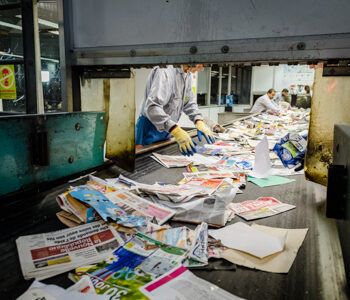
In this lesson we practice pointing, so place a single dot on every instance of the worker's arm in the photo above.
(191, 109)
(271, 106)
(158, 97)
(190, 105)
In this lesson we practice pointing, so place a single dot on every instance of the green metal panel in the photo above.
(83, 143)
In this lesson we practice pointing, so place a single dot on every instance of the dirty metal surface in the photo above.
(317, 273)
(329, 106)
(74, 143)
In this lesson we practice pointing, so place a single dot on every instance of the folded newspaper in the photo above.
(176, 193)
(260, 208)
(48, 254)
(175, 161)
(210, 175)
(138, 207)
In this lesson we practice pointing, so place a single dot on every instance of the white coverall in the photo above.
(264, 103)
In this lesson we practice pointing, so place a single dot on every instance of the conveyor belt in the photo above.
(317, 272)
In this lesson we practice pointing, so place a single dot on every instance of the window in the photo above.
(11, 60)
(202, 87)
(49, 48)
(225, 80)
(214, 85)
(25, 92)
(241, 78)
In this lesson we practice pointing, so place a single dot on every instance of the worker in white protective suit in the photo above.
(265, 103)
(168, 93)
(281, 97)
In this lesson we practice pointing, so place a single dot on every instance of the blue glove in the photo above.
(202, 130)
(186, 145)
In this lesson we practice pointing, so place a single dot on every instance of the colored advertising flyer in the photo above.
(136, 263)
(138, 207)
(260, 208)
(105, 208)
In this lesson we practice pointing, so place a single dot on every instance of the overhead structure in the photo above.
(138, 32)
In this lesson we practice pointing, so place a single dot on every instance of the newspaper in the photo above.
(260, 208)
(208, 186)
(172, 161)
(138, 207)
(222, 149)
(210, 175)
(175, 161)
(48, 254)
(176, 193)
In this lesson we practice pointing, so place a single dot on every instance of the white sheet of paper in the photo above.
(243, 237)
(262, 164)
(277, 263)
(180, 283)
(39, 290)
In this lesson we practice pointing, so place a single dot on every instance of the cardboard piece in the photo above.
(243, 237)
(68, 219)
(276, 263)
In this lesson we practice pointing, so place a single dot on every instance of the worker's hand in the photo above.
(187, 146)
(218, 128)
(203, 130)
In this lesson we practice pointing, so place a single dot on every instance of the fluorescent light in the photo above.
(21, 56)
(44, 22)
(45, 76)
(10, 25)
(54, 32)
(48, 23)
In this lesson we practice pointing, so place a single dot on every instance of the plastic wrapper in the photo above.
(209, 209)
(291, 149)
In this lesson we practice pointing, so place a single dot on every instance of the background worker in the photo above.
(265, 103)
(168, 93)
(281, 96)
